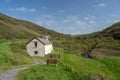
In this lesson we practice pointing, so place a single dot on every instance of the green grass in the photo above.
(12, 53)
(75, 68)
(113, 64)
(45, 72)
(78, 63)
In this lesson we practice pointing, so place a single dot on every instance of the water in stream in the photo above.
(86, 56)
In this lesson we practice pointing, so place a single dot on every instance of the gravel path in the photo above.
(36, 61)
(11, 74)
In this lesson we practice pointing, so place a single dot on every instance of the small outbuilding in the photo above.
(39, 47)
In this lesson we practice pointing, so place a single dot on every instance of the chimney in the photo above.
(41, 36)
(46, 37)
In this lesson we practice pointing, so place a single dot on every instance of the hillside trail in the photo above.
(11, 74)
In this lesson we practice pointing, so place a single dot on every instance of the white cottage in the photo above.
(39, 47)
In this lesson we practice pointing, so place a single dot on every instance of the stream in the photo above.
(86, 56)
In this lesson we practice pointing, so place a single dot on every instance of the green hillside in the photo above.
(12, 53)
(14, 28)
(112, 31)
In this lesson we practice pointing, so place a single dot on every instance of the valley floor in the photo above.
(73, 67)
(70, 65)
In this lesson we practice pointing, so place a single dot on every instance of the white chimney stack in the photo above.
(46, 37)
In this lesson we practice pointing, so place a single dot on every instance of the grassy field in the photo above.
(113, 64)
(12, 53)
(73, 67)
(43, 72)
(70, 66)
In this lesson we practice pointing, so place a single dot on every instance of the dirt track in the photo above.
(11, 74)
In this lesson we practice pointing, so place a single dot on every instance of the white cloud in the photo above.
(72, 28)
(68, 25)
(8, 1)
(44, 8)
(89, 17)
(61, 11)
(32, 10)
(92, 22)
(46, 16)
(115, 18)
(23, 9)
(86, 18)
(72, 17)
(109, 22)
(76, 25)
(100, 5)
(50, 22)
(45, 20)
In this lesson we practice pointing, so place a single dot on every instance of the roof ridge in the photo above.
(44, 41)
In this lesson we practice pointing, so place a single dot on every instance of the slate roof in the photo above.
(44, 41)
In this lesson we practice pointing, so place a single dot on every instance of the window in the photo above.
(35, 44)
(35, 52)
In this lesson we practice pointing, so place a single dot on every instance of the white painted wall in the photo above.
(48, 49)
(42, 49)
(31, 48)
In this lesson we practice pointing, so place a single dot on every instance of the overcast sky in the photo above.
(65, 16)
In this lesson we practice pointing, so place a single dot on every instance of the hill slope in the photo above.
(14, 34)
(14, 28)
(112, 31)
